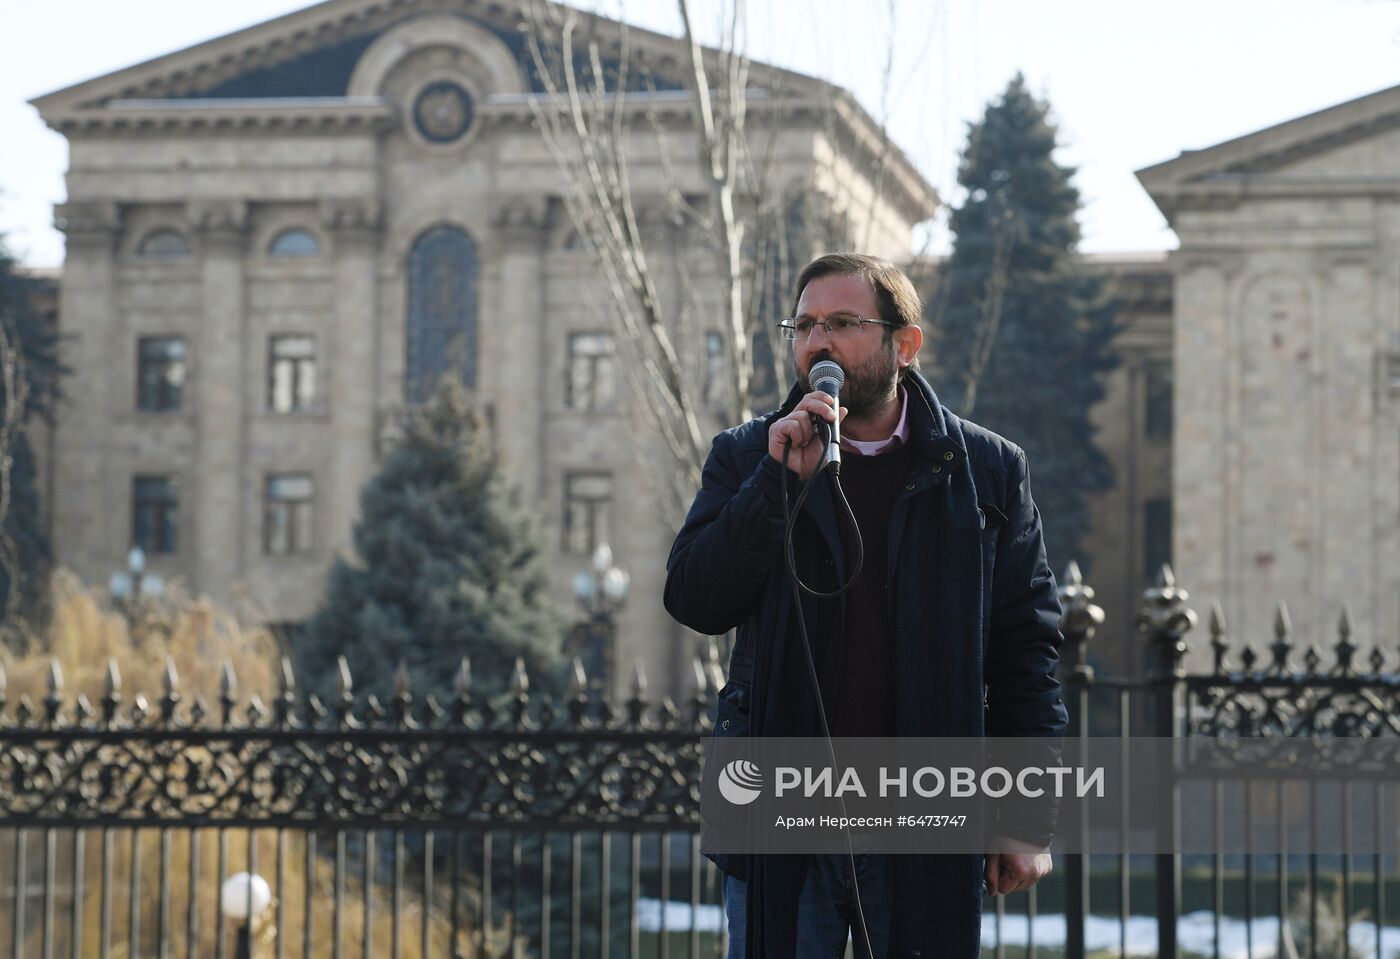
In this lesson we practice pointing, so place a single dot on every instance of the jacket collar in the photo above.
(933, 429)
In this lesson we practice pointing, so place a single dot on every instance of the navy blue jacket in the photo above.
(976, 622)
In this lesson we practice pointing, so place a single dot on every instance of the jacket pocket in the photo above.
(992, 521)
(732, 711)
(731, 721)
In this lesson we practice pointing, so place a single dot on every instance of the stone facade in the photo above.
(337, 124)
(1129, 535)
(1280, 314)
(1287, 358)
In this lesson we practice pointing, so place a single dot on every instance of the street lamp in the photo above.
(128, 588)
(601, 591)
(242, 898)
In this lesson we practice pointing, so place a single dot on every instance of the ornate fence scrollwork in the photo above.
(461, 762)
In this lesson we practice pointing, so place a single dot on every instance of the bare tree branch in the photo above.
(15, 386)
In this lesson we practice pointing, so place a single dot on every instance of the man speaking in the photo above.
(950, 627)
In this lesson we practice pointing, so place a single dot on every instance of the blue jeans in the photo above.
(826, 908)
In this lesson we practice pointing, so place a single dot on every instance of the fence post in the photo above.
(1165, 619)
(1079, 621)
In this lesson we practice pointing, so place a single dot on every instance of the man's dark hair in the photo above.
(894, 292)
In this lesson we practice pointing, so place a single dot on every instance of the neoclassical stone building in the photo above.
(1287, 365)
(277, 237)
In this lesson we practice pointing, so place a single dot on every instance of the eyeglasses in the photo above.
(841, 325)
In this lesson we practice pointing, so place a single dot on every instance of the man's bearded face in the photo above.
(870, 385)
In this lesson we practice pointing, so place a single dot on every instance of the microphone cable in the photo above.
(790, 514)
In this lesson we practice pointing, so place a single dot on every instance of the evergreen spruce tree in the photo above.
(1023, 329)
(447, 566)
(25, 554)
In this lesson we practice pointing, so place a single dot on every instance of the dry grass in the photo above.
(177, 869)
(86, 632)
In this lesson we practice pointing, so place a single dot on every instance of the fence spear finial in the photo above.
(637, 704)
(344, 684)
(578, 679)
(1080, 619)
(1345, 648)
(402, 686)
(285, 706)
(1218, 643)
(1165, 619)
(113, 693)
(520, 681)
(172, 677)
(1217, 619)
(462, 682)
(53, 702)
(713, 665)
(1073, 577)
(1283, 644)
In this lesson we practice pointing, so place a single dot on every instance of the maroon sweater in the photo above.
(865, 688)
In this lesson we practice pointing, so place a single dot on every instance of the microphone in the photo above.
(828, 377)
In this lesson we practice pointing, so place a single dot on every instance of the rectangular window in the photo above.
(714, 369)
(154, 514)
(287, 513)
(1157, 403)
(1156, 535)
(590, 383)
(291, 373)
(587, 511)
(160, 373)
(1392, 372)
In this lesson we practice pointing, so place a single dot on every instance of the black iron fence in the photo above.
(570, 829)
(303, 828)
(1306, 904)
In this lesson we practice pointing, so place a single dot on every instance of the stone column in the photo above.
(89, 534)
(1350, 497)
(1205, 487)
(350, 353)
(515, 343)
(219, 370)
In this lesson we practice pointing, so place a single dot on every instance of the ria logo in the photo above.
(740, 782)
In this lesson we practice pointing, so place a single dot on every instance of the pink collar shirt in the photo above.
(897, 438)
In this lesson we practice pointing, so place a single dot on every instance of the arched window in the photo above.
(294, 242)
(164, 243)
(441, 336)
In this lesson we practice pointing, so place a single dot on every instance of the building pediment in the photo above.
(315, 54)
(332, 67)
(1347, 150)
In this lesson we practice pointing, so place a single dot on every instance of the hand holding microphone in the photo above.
(814, 416)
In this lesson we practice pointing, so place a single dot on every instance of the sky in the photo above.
(1130, 82)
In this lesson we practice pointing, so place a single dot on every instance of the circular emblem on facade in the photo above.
(443, 112)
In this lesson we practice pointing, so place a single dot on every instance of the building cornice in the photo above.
(1228, 191)
(303, 114)
(1221, 176)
